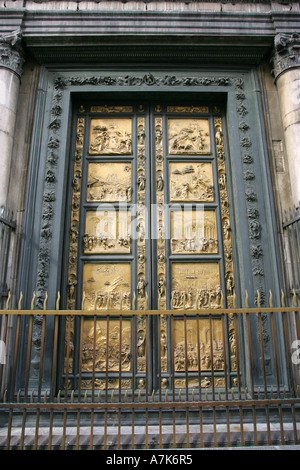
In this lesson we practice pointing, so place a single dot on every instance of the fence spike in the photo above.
(232, 393)
(133, 302)
(234, 299)
(246, 393)
(126, 393)
(166, 395)
(121, 302)
(294, 298)
(297, 391)
(271, 298)
(57, 300)
(258, 392)
(197, 301)
(153, 392)
(58, 397)
(31, 396)
(193, 394)
(219, 394)
(83, 300)
(18, 396)
(271, 391)
(258, 298)
(20, 301)
(206, 392)
(95, 303)
(45, 301)
(179, 395)
(8, 300)
(5, 396)
(112, 395)
(99, 396)
(159, 299)
(146, 301)
(246, 300)
(72, 396)
(32, 301)
(282, 299)
(222, 300)
(45, 396)
(139, 395)
(85, 396)
(284, 391)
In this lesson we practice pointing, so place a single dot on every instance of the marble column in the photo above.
(11, 62)
(286, 69)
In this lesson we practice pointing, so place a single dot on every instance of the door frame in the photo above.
(245, 139)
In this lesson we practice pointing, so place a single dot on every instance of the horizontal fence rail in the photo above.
(191, 379)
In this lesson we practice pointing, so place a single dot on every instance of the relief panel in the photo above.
(198, 344)
(98, 339)
(195, 285)
(107, 232)
(188, 136)
(191, 181)
(110, 136)
(106, 286)
(109, 182)
(193, 231)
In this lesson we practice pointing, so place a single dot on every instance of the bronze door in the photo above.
(150, 230)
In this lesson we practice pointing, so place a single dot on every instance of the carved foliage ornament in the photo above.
(286, 52)
(11, 52)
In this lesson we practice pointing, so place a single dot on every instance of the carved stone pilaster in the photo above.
(286, 53)
(11, 52)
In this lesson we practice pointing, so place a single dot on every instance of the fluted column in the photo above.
(286, 69)
(11, 61)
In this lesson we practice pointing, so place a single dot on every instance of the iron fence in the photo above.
(238, 389)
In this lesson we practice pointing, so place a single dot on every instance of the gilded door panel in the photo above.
(110, 136)
(109, 182)
(106, 285)
(198, 345)
(191, 181)
(193, 231)
(195, 285)
(95, 345)
(188, 136)
(107, 231)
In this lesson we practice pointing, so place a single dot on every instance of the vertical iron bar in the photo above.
(106, 358)
(212, 356)
(79, 379)
(13, 380)
(68, 336)
(251, 376)
(93, 382)
(186, 359)
(53, 380)
(277, 374)
(264, 374)
(173, 377)
(27, 368)
(198, 356)
(133, 373)
(40, 383)
(147, 381)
